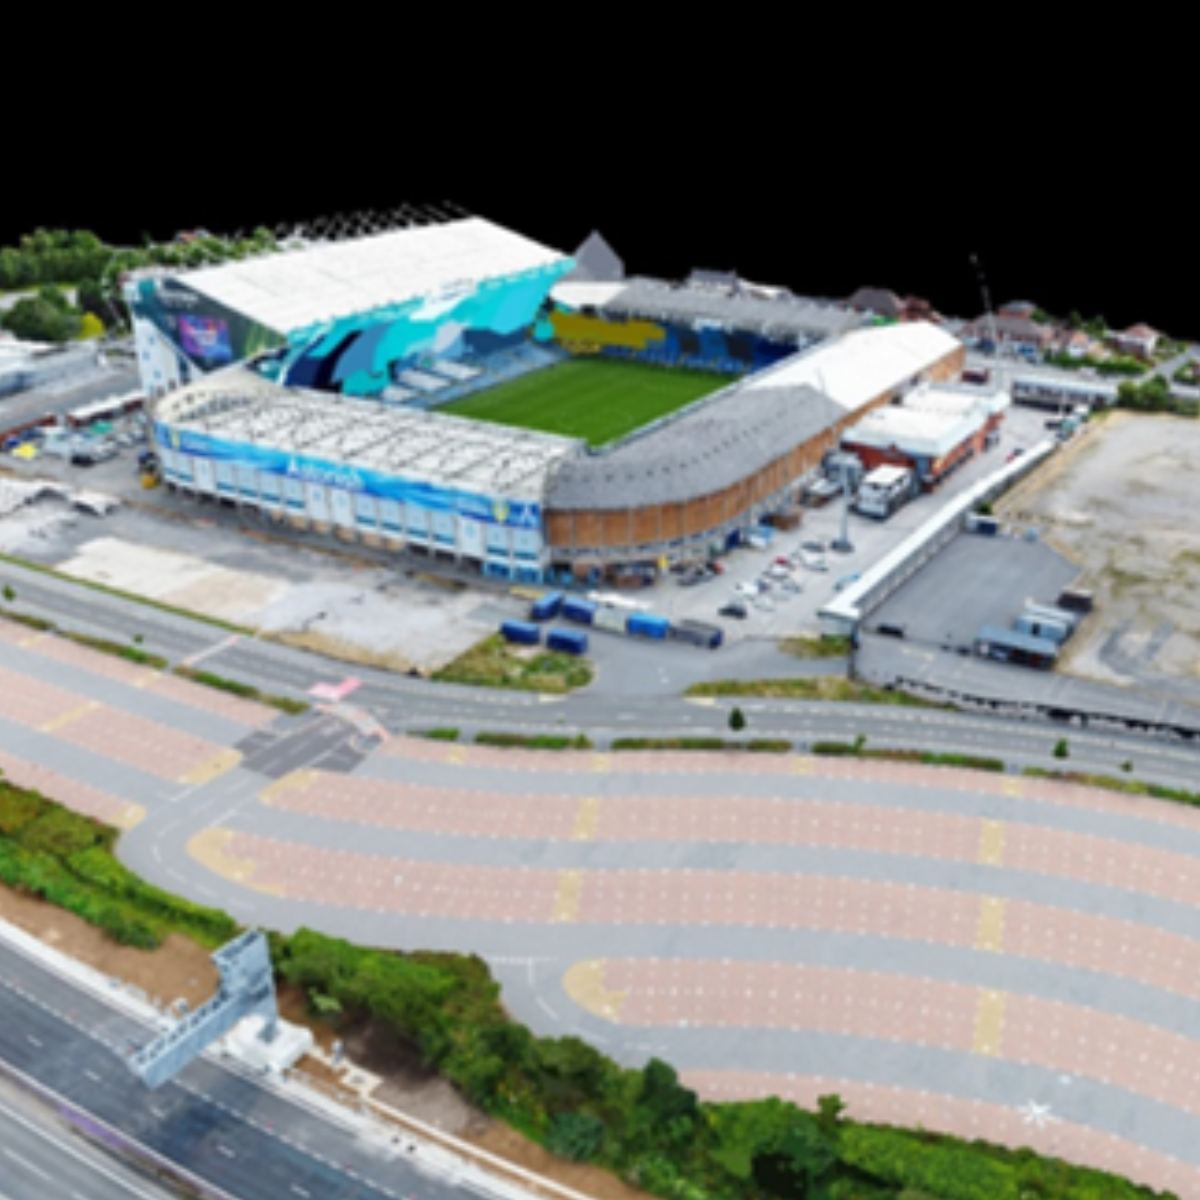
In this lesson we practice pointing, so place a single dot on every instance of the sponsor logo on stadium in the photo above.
(329, 476)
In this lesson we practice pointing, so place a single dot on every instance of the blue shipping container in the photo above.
(547, 606)
(521, 631)
(646, 625)
(583, 611)
(569, 640)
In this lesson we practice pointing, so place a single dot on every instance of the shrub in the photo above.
(737, 719)
(1061, 749)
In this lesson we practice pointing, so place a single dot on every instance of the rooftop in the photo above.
(292, 290)
(240, 406)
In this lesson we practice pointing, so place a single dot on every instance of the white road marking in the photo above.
(26, 1164)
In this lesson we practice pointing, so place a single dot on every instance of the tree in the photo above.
(576, 1136)
(1060, 749)
(42, 319)
(9, 594)
(737, 720)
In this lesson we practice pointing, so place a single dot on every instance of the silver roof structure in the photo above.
(294, 289)
(704, 449)
(240, 406)
(785, 317)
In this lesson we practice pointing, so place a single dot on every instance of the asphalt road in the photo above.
(638, 697)
(221, 1127)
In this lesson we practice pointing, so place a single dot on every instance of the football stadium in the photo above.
(459, 391)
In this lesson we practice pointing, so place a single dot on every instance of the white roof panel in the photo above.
(864, 363)
(294, 289)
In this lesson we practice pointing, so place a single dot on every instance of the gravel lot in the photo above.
(1122, 503)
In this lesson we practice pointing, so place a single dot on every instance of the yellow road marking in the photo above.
(989, 1023)
(570, 891)
(214, 768)
(587, 819)
(1013, 786)
(991, 843)
(601, 762)
(991, 925)
(584, 983)
(296, 781)
(129, 816)
(208, 848)
(67, 718)
(802, 764)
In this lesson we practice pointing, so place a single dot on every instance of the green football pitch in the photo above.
(596, 399)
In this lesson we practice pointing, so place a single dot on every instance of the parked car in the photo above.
(814, 562)
(735, 608)
(846, 581)
(746, 589)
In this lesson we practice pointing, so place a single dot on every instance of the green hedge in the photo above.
(543, 741)
(244, 690)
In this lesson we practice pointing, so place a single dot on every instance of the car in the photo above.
(890, 629)
(814, 562)
(846, 580)
(814, 547)
(794, 586)
(735, 608)
(746, 589)
(777, 572)
(782, 560)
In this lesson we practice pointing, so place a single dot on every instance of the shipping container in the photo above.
(522, 632)
(647, 625)
(611, 619)
(573, 609)
(544, 608)
(570, 641)
(697, 633)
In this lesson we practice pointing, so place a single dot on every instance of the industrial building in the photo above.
(935, 429)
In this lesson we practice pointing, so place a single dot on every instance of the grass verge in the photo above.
(761, 745)
(825, 646)
(244, 690)
(1114, 783)
(493, 662)
(819, 687)
(541, 741)
(436, 735)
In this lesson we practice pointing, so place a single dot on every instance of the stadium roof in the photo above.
(706, 448)
(863, 365)
(786, 316)
(241, 406)
(294, 289)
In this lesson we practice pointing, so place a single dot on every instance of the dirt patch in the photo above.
(179, 969)
(1120, 501)
(343, 650)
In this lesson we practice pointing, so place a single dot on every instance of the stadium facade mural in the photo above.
(205, 333)
(360, 355)
(712, 346)
(276, 478)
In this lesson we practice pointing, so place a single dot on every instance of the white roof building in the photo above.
(862, 365)
(294, 289)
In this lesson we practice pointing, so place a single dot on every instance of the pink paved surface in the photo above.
(156, 749)
(966, 1118)
(160, 683)
(398, 885)
(629, 766)
(1068, 1038)
(1110, 947)
(431, 809)
(78, 796)
(27, 702)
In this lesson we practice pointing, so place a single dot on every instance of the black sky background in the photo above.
(860, 153)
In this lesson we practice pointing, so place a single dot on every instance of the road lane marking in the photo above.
(220, 764)
(26, 1164)
(991, 843)
(991, 925)
(69, 717)
(587, 819)
(989, 1023)
(570, 891)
